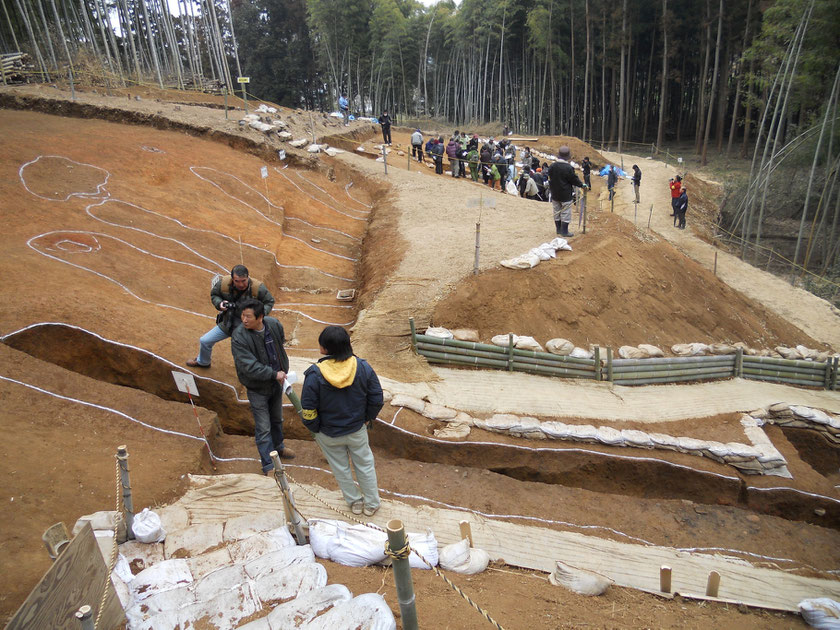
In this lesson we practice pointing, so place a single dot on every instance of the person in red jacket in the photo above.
(676, 189)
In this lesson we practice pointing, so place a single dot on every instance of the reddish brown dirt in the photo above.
(77, 477)
(616, 288)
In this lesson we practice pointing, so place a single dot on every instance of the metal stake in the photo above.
(402, 576)
(292, 515)
(125, 482)
(477, 247)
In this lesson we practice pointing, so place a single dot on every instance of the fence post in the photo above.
(828, 364)
(85, 617)
(609, 364)
(402, 574)
(125, 482)
(510, 352)
(413, 334)
(597, 363)
(739, 363)
(834, 373)
(292, 515)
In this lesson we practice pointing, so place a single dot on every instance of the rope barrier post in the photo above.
(715, 269)
(85, 617)
(510, 353)
(402, 574)
(292, 515)
(413, 334)
(827, 381)
(583, 209)
(226, 105)
(385, 158)
(72, 87)
(597, 357)
(125, 482)
(609, 364)
(477, 247)
(739, 363)
(650, 215)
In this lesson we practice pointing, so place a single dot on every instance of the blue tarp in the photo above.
(606, 170)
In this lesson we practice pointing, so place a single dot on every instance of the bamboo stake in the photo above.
(402, 575)
(665, 579)
(713, 584)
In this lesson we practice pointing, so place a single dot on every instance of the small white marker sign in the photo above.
(264, 172)
(243, 79)
(185, 382)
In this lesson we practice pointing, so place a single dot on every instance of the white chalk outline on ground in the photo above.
(101, 190)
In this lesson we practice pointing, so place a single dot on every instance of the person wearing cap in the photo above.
(561, 180)
(417, 145)
(586, 168)
(385, 121)
(675, 185)
(539, 180)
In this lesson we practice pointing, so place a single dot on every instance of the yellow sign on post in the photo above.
(242, 81)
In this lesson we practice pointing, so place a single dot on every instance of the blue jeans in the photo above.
(268, 423)
(206, 343)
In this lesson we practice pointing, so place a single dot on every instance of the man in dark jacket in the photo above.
(437, 154)
(261, 366)
(341, 397)
(612, 179)
(637, 180)
(227, 295)
(561, 179)
(385, 121)
(586, 168)
(680, 210)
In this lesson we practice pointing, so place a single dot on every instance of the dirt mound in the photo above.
(619, 286)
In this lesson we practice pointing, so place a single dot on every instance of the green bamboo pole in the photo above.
(698, 372)
(785, 362)
(442, 357)
(609, 364)
(425, 348)
(827, 376)
(785, 376)
(413, 334)
(739, 363)
(778, 379)
(544, 369)
(675, 379)
(666, 367)
(834, 372)
(617, 363)
(814, 370)
(402, 575)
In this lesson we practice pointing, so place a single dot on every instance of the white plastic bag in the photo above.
(460, 558)
(147, 527)
(353, 546)
(822, 613)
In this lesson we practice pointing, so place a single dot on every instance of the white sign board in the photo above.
(474, 202)
(264, 172)
(679, 160)
(243, 79)
(185, 382)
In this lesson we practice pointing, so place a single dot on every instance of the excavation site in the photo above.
(633, 406)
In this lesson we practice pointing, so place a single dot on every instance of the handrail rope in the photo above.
(113, 560)
(400, 553)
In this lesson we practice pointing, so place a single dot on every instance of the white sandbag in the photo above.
(439, 332)
(352, 546)
(332, 151)
(104, 520)
(466, 334)
(314, 148)
(147, 527)
(632, 437)
(284, 135)
(369, 611)
(424, 544)
(261, 126)
(502, 340)
(556, 430)
(821, 612)
(560, 243)
(559, 346)
(578, 580)
(409, 402)
(689, 444)
(548, 249)
(652, 351)
(583, 432)
(453, 431)
(516, 263)
(304, 608)
(787, 353)
(500, 422)
(250, 118)
(662, 440)
(813, 415)
(631, 352)
(690, 349)
(528, 343)
(722, 349)
(610, 436)
(161, 577)
(298, 143)
(807, 353)
(460, 558)
(540, 253)
(580, 353)
(438, 412)
(262, 107)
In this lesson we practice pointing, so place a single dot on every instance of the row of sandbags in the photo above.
(535, 255)
(564, 347)
(762, 459)
(361, 546)
(798, 416)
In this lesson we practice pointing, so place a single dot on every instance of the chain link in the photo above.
(399, 553)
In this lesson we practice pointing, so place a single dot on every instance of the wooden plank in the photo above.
(76, 578)
(629, 565)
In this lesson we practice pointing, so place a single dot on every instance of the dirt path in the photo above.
(813, 315)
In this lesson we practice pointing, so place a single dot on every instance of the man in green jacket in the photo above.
(227, 295)
(261, 365)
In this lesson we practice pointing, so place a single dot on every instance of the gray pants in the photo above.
(340, 452)
(562, 210)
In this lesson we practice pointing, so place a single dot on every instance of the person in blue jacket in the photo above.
(341, 397)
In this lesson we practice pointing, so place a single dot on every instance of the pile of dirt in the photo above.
(619, 286)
